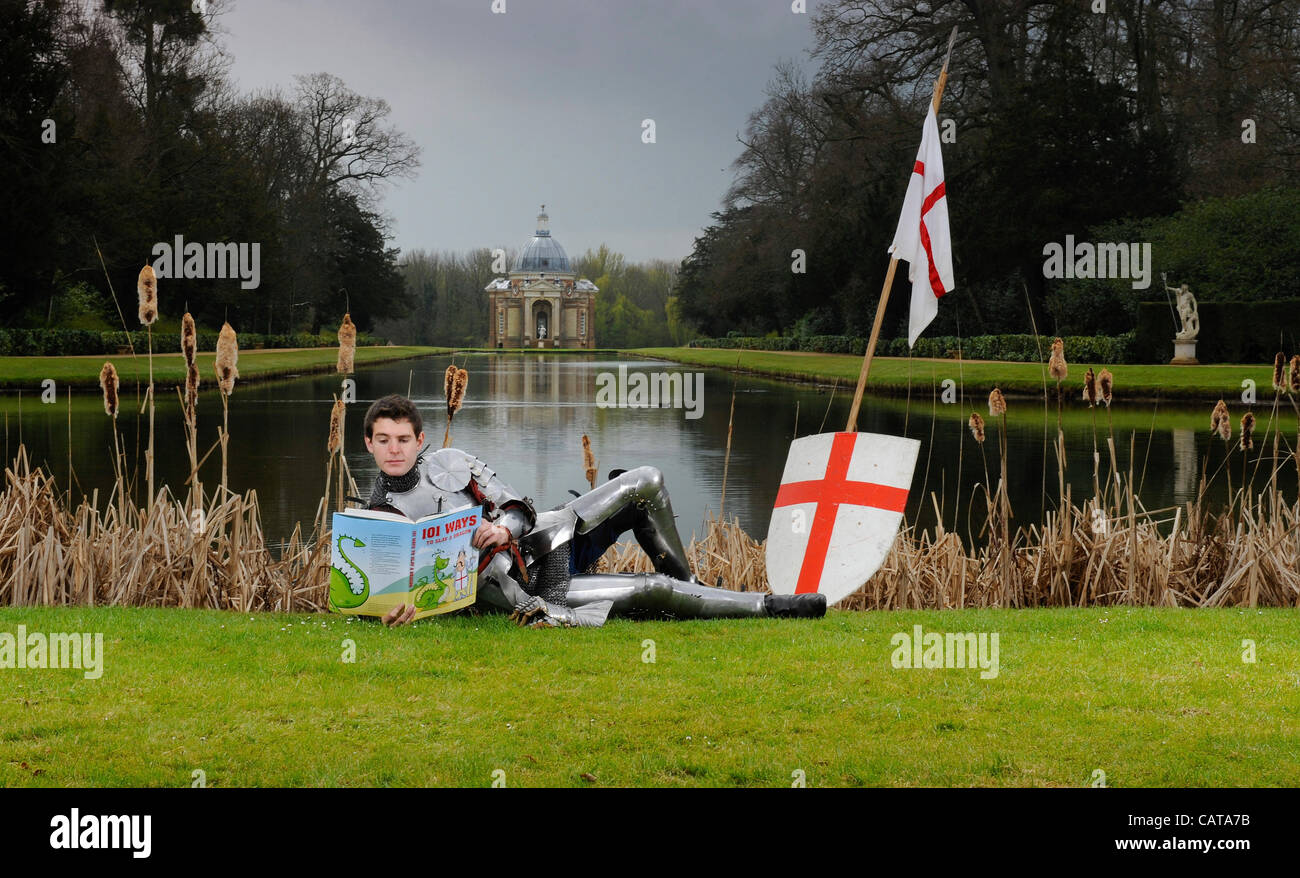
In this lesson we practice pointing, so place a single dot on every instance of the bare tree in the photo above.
(346, 141)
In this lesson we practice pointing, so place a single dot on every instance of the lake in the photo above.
(525, 416)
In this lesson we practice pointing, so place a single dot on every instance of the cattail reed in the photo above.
(190, 348)
(1221, 421)
(1090, 387)
(1056, 365)
(448, 381)
(109, 383)
(227, 371)
(335, 441)
(1220, 412)
(227, 359)
(588, 461)
(147, 286)
(1106, 384)
(189, 338)
(997, 403)
(455, 386)
(1293, 382)
(1247, 431)
(977, 427)
(1279, 372)
(347, 345)
(334, 445)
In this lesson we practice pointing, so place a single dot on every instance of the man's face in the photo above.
(394, 445)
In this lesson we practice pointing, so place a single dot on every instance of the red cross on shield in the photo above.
(837, 512)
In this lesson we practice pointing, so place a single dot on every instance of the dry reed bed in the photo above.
(50, 556)
(1249, 559)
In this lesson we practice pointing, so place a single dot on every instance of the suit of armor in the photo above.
(537, 575)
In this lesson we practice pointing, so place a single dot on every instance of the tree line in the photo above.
(120, 130)
(1060, 117)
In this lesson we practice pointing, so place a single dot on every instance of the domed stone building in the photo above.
(543, 303)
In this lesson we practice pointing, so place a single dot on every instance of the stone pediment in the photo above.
(540, 286)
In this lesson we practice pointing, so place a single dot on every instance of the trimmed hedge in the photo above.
(64, 342)
(1105, 349)
(1231, 332)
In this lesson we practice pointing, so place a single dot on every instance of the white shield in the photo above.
(836, 515)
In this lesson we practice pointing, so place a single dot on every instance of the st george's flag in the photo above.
(922, 237)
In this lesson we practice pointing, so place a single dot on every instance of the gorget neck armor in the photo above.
(400, 484)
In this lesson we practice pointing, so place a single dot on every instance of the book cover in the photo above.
(380, 560)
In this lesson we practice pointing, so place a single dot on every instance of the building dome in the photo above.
(543, 253)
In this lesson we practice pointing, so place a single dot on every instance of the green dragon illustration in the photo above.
(433, 592)
(349, 586)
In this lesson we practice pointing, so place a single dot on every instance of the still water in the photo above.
(525, 416)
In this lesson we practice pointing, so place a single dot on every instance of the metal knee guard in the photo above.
(654, 527)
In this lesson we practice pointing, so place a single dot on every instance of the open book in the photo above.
(380, 560)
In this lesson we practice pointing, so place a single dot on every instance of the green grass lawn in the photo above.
(29, 372)
(1150, 697)
(890, 374)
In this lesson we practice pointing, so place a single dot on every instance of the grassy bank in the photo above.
(27, 373)
(1149, 697)
(890, 375)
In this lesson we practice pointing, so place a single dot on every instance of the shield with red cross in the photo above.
(837, 512)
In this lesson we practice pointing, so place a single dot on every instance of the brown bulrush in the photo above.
(147, 286)
(1294, 378)
(1056, 365)
(347, 345)
(977, 427)
(227, 358)
(1279, 372)
(997, 403)
(1090, 387)
(457, 397)
(1221, 421)
(189, 338)
(190, 347)
(588, 461)
(108, 383)
(448, 380)
(1247, 431)
(1106, 383)
(336, 426)
(457, 381)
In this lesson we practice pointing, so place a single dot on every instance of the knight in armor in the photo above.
(535, 565)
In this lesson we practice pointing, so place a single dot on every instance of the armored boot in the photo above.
(795, 606)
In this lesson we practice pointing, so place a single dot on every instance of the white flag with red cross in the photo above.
(922, 237)
(837, 512)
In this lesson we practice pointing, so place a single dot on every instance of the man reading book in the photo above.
(534, 565)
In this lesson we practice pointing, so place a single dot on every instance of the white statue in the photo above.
(541, 330)
(1187, 313)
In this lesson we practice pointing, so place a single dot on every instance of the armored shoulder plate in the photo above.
(448, 469)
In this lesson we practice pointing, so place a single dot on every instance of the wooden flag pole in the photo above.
(893, 266)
